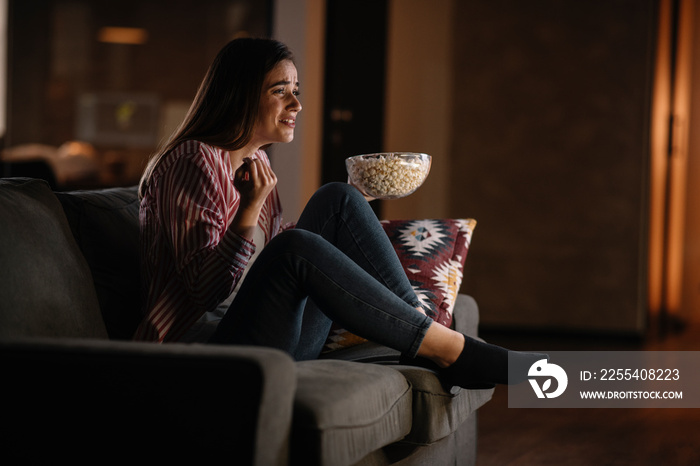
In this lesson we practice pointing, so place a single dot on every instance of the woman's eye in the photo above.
(283, 91)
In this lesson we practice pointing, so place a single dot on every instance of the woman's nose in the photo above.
(295, 104)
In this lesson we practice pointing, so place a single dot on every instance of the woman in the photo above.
(210, 214)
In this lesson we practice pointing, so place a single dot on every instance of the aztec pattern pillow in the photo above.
(433, 253)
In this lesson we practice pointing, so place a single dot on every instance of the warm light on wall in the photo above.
(122, 35)
(669, 155)
(661, 109)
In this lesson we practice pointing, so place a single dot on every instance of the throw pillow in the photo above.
(433, 253)
(105, 224)
(45, 284)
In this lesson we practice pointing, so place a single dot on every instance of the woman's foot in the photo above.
(482, 362)
(482, 365)
(447, 385)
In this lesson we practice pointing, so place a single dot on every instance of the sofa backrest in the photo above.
(46, 286)
(105, 224)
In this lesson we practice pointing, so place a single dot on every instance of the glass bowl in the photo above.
(388, 175)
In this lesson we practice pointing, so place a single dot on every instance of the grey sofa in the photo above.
(75, 388)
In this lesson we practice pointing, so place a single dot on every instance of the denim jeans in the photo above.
(336, 265)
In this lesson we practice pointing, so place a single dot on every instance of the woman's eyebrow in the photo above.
(283, 83)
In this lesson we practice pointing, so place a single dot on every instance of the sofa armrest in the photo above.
(99, 400)
(466, 315)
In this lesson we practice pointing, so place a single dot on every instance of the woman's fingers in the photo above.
(267, 174)
(254, 179)
(260, 172)
(243, 172)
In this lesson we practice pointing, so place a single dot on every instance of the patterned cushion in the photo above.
(432, 252)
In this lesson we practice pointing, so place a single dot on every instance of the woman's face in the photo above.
(279, 105)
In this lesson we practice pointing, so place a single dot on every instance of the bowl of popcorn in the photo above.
(388, 175)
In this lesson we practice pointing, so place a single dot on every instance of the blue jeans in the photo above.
(336, 265)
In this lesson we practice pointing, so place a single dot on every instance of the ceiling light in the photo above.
(121, 35)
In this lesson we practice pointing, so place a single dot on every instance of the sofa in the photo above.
(76, 389)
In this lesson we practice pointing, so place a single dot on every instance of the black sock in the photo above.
(482, 362)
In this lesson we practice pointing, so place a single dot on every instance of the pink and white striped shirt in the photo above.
(191, 261)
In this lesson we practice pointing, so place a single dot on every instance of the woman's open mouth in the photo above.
(291, 122)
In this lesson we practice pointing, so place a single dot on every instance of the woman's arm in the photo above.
(209, 257)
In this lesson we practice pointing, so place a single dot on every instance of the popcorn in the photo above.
(389, 175)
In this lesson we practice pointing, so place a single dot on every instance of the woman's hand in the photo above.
(254, 180)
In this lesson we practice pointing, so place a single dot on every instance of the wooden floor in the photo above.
(615, 436)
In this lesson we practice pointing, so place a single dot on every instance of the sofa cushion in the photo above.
(105, 224)
(433, 253)
(45, 285)
(438, 413)
(343, 411)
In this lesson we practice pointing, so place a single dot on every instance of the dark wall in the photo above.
(552, 110)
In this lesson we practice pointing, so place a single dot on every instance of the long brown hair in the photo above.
(225, 108)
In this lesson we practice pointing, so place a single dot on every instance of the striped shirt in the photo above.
(191, 261)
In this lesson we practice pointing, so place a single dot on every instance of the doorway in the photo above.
(354, 83)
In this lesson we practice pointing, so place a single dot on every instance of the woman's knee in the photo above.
(338, 190)
(295, 240)
(329, 203)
